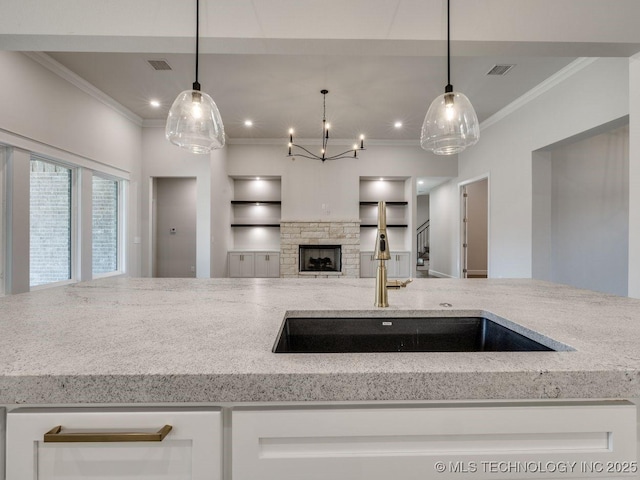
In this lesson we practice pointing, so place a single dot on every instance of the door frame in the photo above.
(461, 226)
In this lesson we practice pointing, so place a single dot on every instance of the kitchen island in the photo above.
(207, 344)
(132, 340)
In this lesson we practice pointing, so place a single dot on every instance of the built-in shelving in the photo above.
(256, 211)
(256, 225)
(394, 193)
(373, 225)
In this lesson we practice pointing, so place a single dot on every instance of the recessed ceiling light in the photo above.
(248, 123)
(398, 124)
(154, 103)
(381, 179)
(420, 182)
(257, 178)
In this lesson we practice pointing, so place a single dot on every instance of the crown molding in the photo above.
(66, 74)
(558, 77)
(154, 123)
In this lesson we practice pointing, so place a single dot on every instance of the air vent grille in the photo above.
(500, 70)
(159, 64)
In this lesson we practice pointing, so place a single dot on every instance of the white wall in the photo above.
(162, 159)
(444, 245)
(44, 114)
(595, 95)
(590, 212)
(422, 209)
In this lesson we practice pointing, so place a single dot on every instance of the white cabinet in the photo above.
(267, 264)
(254, 264)
(367, 265)
(398, 266)
(91, 444)
(241, 264)
(446, 442)
(2, 437)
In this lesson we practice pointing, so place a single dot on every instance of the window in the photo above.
(50, 223)
(105, 225)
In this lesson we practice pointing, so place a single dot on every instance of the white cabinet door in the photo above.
(402, 265)
(367, 265)
(444, 442)
(2, 439)
(267, 264)
(241, 265)
(192, 450)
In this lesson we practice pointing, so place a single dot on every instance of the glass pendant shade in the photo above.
(451, 125)
(194, 123)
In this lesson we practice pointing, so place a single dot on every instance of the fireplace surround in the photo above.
(343, 234)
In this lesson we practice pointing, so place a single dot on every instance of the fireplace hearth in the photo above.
(320, 258)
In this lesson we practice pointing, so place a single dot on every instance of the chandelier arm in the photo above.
(342, 155)
(312, 157)
(310, 153)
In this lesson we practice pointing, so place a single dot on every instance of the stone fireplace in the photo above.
(333, 246)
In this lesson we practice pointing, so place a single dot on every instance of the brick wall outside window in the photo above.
(105, 225)
(50, 223)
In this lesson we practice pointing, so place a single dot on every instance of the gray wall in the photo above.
(175, 207)
(590, 213)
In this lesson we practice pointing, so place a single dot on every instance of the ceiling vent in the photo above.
(500, 70)
(159, 64)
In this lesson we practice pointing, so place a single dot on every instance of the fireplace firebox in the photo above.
(320, 258)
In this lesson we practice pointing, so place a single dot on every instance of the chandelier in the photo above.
(351, 153)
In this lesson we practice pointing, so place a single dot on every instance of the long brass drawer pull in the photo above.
(56, 435)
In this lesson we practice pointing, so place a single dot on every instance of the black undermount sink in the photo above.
(408, 334)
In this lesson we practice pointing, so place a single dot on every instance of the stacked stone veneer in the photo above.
(294, 234)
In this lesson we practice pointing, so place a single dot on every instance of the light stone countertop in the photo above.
(137, 340)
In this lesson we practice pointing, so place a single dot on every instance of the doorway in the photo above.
(474, 201)
(174, 227)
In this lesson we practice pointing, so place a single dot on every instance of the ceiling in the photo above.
(367, 94)
(383, 61)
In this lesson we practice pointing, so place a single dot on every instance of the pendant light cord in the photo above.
(196, 84)
(448, 44)
(449, 88)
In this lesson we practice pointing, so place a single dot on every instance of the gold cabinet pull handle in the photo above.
(56, 435)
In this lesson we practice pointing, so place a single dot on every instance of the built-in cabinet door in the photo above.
(444, 442)
(241, 265)
(398, 266)
(2, 439)
(401, 265)
(267, 264)
(88, 444)
(367, 265)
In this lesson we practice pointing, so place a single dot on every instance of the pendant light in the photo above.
(451, 123)
(194, 122)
